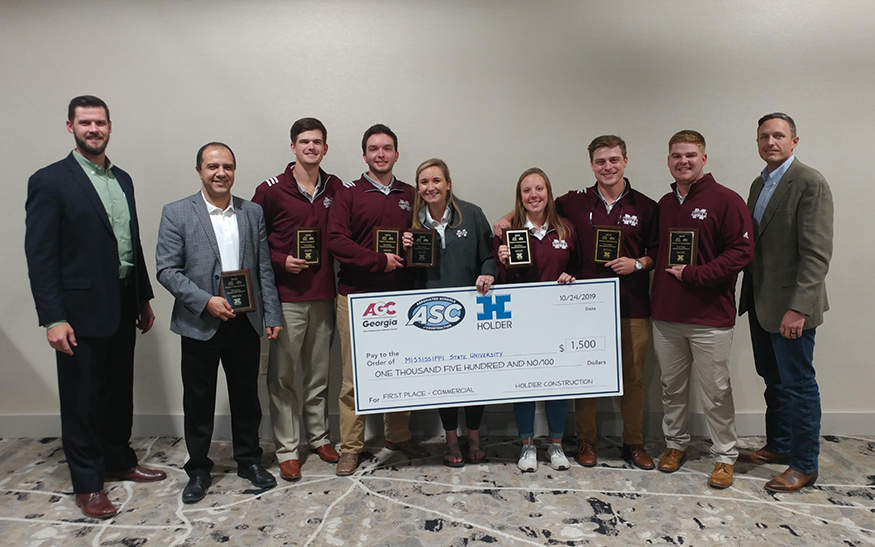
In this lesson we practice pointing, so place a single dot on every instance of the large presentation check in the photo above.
(447, 347)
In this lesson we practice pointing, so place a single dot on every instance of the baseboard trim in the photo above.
(498, 420)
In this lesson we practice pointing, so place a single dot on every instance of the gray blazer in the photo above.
(189, 265)
(792, 249)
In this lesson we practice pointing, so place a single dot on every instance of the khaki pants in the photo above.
(635, 335)
(352, 426)
(306, 338)
(684, 351)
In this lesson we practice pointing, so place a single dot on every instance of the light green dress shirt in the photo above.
(116, 204)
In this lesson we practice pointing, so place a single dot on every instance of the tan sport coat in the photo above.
(792, 249)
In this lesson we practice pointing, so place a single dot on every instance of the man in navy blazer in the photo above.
(199, 238)
(91, 290)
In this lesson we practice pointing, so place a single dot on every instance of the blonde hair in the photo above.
(419, 203)
(687, 136)
(552, 217)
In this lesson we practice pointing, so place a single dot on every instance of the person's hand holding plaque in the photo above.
(219, 308)
(295, 265)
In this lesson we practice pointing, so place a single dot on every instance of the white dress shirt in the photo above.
(225, 228)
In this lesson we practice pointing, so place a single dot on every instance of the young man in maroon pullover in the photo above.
(612, 201)
(693, 302)
(295, 204)
(375, 199)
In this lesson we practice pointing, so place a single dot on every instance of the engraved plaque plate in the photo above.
(608, 243)
(387, 240)
(517, 241)
(308, 245)
(235, 286)
(423, 252)
(683, 245)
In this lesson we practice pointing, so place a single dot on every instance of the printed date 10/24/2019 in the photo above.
(595, 343)
(580, 297)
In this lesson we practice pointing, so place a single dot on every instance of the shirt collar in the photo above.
(425, 217)
(379, 185)
(213, 210)
(771, 179)
(609, 206)
(90, 165)
(537, 232)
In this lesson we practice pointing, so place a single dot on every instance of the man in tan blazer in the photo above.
(785, 293)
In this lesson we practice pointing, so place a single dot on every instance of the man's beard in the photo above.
(94, 151)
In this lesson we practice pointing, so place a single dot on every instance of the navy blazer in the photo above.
(72, 253)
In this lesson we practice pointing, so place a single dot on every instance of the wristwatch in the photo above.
(638, 265)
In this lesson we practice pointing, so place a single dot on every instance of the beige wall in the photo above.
(491, 87)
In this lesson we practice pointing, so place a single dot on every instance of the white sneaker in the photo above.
(528, 458)
(558, 461)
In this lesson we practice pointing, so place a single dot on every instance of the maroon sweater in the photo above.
(286, 210)
(706, 296)
(638, 215)
(358, 207)
(550, 257)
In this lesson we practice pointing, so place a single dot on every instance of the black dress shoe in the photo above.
(196, 489)
(257, 475)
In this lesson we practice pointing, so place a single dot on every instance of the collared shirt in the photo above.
(539, 233)
(678, 195)
(225, 227)
(316, 190)
(609, 206)
(116, 204)
(438, 225)
(385, 188)
(770, 182)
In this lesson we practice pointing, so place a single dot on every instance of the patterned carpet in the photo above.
(393, 501)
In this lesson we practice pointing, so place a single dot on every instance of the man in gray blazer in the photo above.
(785, 293)
(199, 238)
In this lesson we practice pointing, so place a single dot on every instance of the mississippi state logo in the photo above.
(629, 220)
(404, 204)
(699, 214)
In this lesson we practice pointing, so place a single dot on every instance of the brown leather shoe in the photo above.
(763, 455)
(586, 455)
(671, 460)
(410, 448)
(327, 453)
(96, 505)
(347, 464)
(721, 477)
(138, 473)
(790, 481)
(290, 470)
(634, 454)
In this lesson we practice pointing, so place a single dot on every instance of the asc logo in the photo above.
(436, 313)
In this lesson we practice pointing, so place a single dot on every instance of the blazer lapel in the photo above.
(778, 196)
(200, 210)
(755, 191)
(242, 214)
(88, 190)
